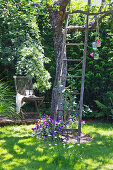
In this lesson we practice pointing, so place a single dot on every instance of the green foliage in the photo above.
(47, 41)
(7, 103)
(69, 104)
(20, 44)
(99, 77)
(32, 59)
(99, 73)
(72, 122)
(107, 106)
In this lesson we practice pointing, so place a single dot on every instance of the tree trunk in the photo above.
(61, 73)
(61, 66)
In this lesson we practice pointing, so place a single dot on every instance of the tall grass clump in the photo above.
(7, 102)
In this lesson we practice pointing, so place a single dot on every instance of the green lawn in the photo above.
(19, 151)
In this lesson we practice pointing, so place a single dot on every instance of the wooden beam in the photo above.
(92, 25)
(88, 13)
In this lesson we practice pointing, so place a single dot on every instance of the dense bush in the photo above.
(106, 106)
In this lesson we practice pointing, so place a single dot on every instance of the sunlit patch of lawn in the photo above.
(20, 150)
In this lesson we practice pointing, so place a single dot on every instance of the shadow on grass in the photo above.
(30, 153)
(98, 152)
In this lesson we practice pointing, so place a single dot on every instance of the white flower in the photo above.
(71, 146)
(64, 140)
(89, 110)
(63, 137)
(49, 135)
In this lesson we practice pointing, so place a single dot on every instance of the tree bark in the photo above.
(61, 72)
(61, 66)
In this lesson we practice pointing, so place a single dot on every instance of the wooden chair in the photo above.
(23, 85)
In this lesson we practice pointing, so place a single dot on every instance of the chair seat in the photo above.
(32, 98)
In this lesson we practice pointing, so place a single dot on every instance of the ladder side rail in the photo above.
(83, 78)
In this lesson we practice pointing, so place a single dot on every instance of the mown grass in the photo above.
(20, 151)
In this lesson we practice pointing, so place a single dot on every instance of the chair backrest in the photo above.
(22, 83)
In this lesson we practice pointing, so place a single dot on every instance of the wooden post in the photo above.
(82, 79)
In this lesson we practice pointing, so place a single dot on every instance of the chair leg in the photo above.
(22, 114)
(36, 106)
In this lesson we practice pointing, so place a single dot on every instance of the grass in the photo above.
(20, 151)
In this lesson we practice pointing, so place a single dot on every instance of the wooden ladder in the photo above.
(83, 62)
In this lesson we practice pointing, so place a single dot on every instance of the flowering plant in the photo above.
(44, 128)
(98, 41)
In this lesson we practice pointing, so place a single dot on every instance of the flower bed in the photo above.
(44, 127)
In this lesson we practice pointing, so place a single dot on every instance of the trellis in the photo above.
(87, 13)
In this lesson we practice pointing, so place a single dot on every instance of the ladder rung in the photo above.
(69, 110)
(73, 93)
(78, 76)
(65, 59)
(69, 130)
(75, 44)
(73, 76)
(75, 67)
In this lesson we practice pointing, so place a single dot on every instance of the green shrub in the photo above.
(106, 106)
(7, 104)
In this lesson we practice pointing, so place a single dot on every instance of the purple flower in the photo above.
(40, 126)
(33, 129)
